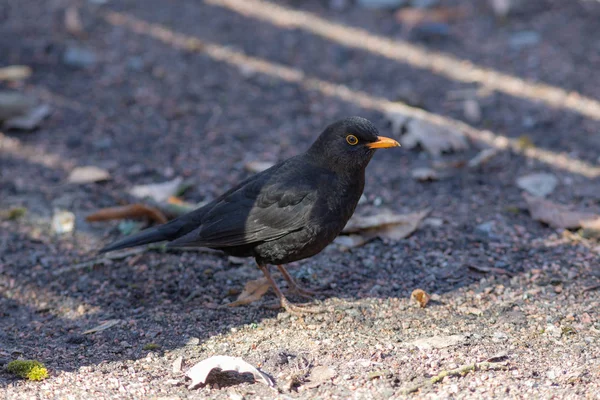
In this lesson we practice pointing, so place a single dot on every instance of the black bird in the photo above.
(286, 213)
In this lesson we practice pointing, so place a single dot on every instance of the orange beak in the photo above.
(383, 143)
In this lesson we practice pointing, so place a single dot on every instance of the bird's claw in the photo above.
(299, 309)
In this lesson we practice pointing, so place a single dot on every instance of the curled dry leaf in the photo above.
(420, 297)
(199, 372)
(253, 291)
(386, 224)
(103, 326)
(88, 174)
(558, 215)
(131, 211)
(159, 192)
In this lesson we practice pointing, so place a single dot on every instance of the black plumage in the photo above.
(286, 213)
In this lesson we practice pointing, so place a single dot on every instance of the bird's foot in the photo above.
(299, 309)
(300, 291)
(294, 287)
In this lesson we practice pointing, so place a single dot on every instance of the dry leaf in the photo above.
(483, 157)
(30, 120)
(14, 73)
(258, 166)
(318, 376)
(131, 211)
(88, 174)
(159, 192)
(103, 326)
(540, 185)
(425, 174)
(253, 291)
(437, 342)
(199, 372)
(386, 224)
(435, 139)
(421, 297)
(558, 215)
(73, 22)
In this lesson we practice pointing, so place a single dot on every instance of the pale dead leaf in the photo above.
(483, 157)
(14, 73)
(386, 224)
(437, 342)
(558, 215)
(199, 372)
(30, 120)
(435, 139)
(88, 174)
(159, 192)
(103, 326)
(539, 184)
(258, 166)
(318, 376)
(420, 297)
(253, 291)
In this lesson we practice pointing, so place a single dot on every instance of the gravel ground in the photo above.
(515, 304)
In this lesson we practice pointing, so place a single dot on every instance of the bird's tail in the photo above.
(151, 235)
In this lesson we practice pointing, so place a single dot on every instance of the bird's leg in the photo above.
(285, 303)
(293, 285)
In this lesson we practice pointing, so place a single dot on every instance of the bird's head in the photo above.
(349, 143)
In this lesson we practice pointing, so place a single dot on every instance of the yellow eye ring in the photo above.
(352, 140)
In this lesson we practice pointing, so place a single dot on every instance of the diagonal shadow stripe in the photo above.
(437, 62)
(343, 92)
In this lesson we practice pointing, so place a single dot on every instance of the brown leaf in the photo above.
(421, 297)
(253, 291)
(130, 211)
(199, 372)
(558, 215)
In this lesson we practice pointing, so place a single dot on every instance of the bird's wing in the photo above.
(263, 210)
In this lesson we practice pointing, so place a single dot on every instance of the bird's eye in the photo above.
(352, 140)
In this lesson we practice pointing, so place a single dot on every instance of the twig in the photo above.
(107, 259)
(461, 371)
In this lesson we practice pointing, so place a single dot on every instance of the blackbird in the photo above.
(286, 213)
